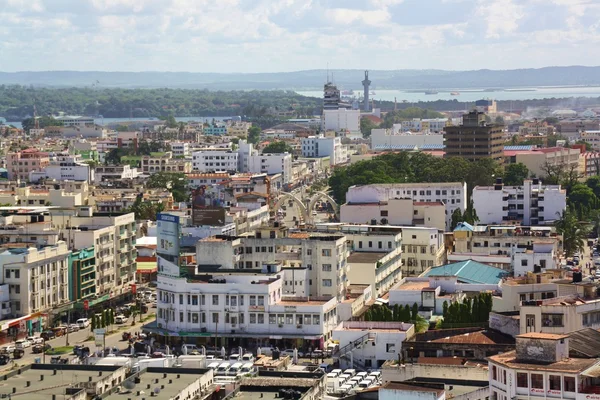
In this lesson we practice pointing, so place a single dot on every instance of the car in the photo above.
(40, 348)
(83, 323)
(22, 344)
(36, 339)
(9, 348)
(597, 274)
(73, 328)
(48, 335)
(120, 319)
(290, 353)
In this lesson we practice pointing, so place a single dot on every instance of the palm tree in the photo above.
(574, 234)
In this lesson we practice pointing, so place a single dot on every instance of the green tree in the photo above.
(574, 234)
(456, 219)
(94, 323)
(588, 146)
(366, 125)
(175, 182)
(414, 312)
(445, 309)
(254, 134)
(29, 123)
(113, 157)
(594, 184)
(582, 200)
(470, 214)
(277, 148)
(406, 313)
(515, 174)
(122, 128)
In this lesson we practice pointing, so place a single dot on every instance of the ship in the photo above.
(431, 92)
(454, 93)
(348, 92)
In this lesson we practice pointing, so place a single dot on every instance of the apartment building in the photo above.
(546, 365)
(21, 163)
(530, 204)
(536, 127)
(571, 128)
(41, 196)
(321, 146)
(181, 149)
(164, 162)
(475, 139)
(537, 160)
(422, 248)
(82, 276)
(390, 139)
(214, 160)
(109, 173)
(243, 306)
(589, 164)
(38, 278)
(377, 262)
(64, 167)
(453, 195)
(271, 164)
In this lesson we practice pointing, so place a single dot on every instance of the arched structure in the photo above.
(287, 197)
(322, 195)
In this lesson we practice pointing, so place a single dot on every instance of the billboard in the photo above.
(167, 242)
(207, 206)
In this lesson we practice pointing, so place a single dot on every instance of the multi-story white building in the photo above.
(322, 146)
(390, 139)
(452, 194)
(181, 149)
(64, 167)
(38, 278)
(379, 264)
(341, 120)
(530, 204)
(115, 173)
(209, 161)
(75, 120)
(422, 248)
(250, 161)
(546, 365)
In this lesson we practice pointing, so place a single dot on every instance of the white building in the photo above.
(64, 167)
(115, 173)
(341, 120)
(321, 146)
(530, 204)
(208, 161)
(452, 194)
(250, 161)
(75, 120)
(369, 344)
(38, 278)
(389, 139)
(181, 149)
(397, 391)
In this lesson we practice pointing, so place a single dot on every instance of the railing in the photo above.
(350, 346)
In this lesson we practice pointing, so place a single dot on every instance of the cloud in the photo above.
(283, 35)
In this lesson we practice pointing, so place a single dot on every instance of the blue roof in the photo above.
(520, 148)
(433, 147)
(395, 147)
(464, 226)
(469, 272)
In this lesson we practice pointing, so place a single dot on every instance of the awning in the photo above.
(592, 372)
(147, 267)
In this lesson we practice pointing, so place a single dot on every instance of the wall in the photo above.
(505, 324)
(407, 394)
(400, 373)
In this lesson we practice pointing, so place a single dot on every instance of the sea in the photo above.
(472, 95)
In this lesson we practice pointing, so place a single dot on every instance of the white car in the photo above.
(36, 340)
(22, 344)
(9, 348)
(83, 323)
(290, 353)
(120, 319)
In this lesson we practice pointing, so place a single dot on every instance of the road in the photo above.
(80, 337)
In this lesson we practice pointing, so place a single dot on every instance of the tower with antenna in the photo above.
(366, 83)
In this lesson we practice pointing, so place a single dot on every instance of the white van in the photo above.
(344, 389)
(343, 378)
(362, 375)
(213, 366)
(354, 381)
(223, 368)
(248, 357)
(364, 384)
(247, 368)
(337, 372)
(22, 344)
(83, 323)
(234, 357)
(350, 372)
(376, 375)
(235, 368)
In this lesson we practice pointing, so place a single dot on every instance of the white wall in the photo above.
(341, 119)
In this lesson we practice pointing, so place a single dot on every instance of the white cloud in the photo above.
(502, 16)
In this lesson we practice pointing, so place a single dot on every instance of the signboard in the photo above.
(167, 234)
(207, 207)
(99, 337)
(133, 288)
(167, 268)
(86, 305)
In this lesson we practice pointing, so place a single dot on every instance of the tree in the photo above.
(582, 200)
(515, 174)
(456, 219)
(277, 148)
(254, 134)
(113, 157)
(588, 146)
(574, 234)
(470, 215)
(414, 312)
(94, 323)
(29, 123)
(366, 124)
(122, 128)
(594, 184)
(175, 182)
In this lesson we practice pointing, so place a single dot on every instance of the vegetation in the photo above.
(515, 174)
(469, 216)
(254, 134)
(471, 311)
(397, 313)
(29, 123)
(175, 182)
(55, 351)
(366, 125)
(17, 102)
(145, 210)
(574, 234)
(278, 147)
(412, 167)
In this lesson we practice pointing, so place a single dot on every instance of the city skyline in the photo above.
(292, 35)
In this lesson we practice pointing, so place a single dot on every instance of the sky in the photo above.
(292, 35)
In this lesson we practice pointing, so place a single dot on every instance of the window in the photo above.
(194, 318)
(537, 381)
(215, 318)
(523, 263)
(554, 381)
(552, 320)
(389, 245)
(7, 273)
(17, 274)
(383, 213)
(252, 300)
(289, 319)
(326, 252)
(569, 383)
(316, 320)
(494, 372)
(327, 267)
(309, 252)
(261, 318)
(253, 318)
(272, 319)
(522, 380)
(390, 347)
(359, 245)
(215, 300)
(380, 245)
(261, 300)
(194, 299)
(181, 300)
(327, 282)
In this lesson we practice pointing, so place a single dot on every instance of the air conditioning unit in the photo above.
(281, 325)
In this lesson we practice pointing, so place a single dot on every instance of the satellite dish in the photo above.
(129, 385)
(157, 390)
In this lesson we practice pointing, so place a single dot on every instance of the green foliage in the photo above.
(574, 234)
(588, 146)
(393, 117)
(122, 128)
(29, 123)
(277, 148)
(471, 311)
(175, 182)
(412, 167)
(366, 125)
(94, 322)
(145, 210)
(170, 121)
(515, 174)
(254, 134)
(499, 120)
(456, 218)
(582, 200)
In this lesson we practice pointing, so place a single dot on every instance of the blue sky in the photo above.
(289, 35)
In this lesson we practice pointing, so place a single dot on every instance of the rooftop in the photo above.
(169, 384)
(365, 257)
(469, 272)
(404, 386)
(412, 285)
(569, 365)
(482, 337)
(541, 335)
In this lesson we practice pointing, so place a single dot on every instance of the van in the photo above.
(344, 389)
(247, 368)
(337, 372)
(248, 357)
(343, 378)
(83, 323)
(350, 372)
(325, 367)
(213, 366)
(235, 369)
(223, 368)
(362, 375)
(354, 381)
(22, 344)
(234, 357)
(364, 384)
(376, 375)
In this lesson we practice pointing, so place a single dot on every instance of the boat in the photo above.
(372, 94)
(431, 92)
(348, 92)
(454, 93)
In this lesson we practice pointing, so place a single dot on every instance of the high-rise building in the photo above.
(332, 99)
(475, 139)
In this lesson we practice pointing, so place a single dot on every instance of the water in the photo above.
(112, 121)
(471, 95)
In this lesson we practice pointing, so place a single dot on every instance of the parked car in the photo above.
(9, 348)
(18, 353)
(47, 335)
(36, 339)
(4, 359)
(73, 328)
(83, 323)
(40, 348)
(290, 353)
(120, 319)
(22, 344)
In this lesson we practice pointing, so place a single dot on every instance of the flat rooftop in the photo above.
(569, 365)
(412, 286)
(365, 257)
(170, 385)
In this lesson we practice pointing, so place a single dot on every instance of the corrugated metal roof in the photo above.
(585, 343)
(463, 226)
(520, 148)
(469, 272)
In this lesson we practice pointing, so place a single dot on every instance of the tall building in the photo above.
(475, 139)
(366, 83)
(332, 99)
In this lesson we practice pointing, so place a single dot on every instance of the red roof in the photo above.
(373, 118)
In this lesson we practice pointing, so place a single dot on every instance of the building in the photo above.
(82, 275)
(110, 173)
(215, 129)
(214, 160)
(341, 120)
(561, 315)
(332, 99)
(539, 160)
(531, 204)
(75, 120)
(452, 194)
(546, 365)
(571, 128)
(390, 140)
(321, 146)
(380, 269)
(369, 344)
(536, 128)
(164, 162)
(67, 196)
(249, 160)
(80, 131)
(487, 106)
(64, 167)
(181, 149)
(38, 279)
(590, 164)
(21, 163)
(475, 139)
